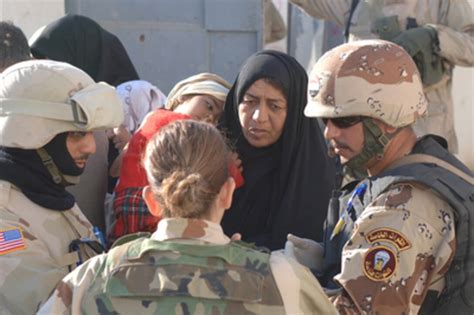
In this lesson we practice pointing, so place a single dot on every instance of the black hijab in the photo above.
(81, 42)
(287, 184)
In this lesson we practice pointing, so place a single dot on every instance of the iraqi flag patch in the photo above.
(11, 240)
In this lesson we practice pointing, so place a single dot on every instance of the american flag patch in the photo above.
(11, 240)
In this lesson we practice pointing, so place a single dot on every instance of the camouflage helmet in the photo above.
(42, 98)
(371, 78)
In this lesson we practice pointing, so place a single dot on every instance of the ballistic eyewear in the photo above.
(343, 122)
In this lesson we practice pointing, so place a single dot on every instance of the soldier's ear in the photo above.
(225, 195)
(153, 205)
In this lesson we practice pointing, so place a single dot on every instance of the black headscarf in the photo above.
(24, 169)
(287, 184)
(81, 42)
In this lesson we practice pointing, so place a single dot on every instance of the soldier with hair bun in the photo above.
(188, 265)
(200, 97)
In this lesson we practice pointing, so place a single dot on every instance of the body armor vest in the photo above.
(173, 277)
(458, 295)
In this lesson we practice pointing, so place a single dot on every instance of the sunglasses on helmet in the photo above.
(343, 122)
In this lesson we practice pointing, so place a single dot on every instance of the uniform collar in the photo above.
(181, 228)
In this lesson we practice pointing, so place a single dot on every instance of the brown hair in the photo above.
(186, 164)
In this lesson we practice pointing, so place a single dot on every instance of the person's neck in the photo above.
(401, 145)
(214, 215)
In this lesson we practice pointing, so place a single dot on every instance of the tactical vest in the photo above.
(149, 276)
(458, 295)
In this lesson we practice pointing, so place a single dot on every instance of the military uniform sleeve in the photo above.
(334, 10)
(401, 246)
(69, 293)
(456, 32)
(299, 289)
(275, 28)
(28, 274)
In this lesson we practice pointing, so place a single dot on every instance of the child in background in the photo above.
(199, 97)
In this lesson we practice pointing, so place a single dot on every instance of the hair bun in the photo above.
(186, 164)
(181, 190)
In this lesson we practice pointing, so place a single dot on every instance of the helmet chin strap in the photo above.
(375, 141)
(58, 177)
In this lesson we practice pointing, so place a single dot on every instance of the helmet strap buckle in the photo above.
(57, 176)
(48, 162)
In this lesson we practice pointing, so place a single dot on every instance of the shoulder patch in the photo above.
(11, 240)
(379, 263)
(388, 235)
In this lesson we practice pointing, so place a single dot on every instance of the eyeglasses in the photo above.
(344, 122)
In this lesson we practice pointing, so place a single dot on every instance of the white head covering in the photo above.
(138, 99)
(202, 83)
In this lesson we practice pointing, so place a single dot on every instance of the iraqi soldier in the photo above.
(438, 34)
(47, 112)
(399, 241)
(188, 266)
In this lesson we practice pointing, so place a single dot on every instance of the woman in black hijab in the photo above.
(80, 41)
(288, 174)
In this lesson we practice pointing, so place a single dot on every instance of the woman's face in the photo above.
(202, 107)
(262, 114)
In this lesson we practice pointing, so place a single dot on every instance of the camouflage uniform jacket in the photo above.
(398, 249)
(97, 287)
(454, 23)
(34, 249)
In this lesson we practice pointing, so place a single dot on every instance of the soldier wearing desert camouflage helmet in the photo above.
(399, 241)
(47, 112)
(188, 265)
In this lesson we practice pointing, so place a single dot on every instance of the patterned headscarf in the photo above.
(138, 99)
(202, 83)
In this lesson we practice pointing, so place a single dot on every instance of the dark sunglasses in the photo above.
(343, 122)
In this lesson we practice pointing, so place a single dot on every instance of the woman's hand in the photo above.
(236, 237)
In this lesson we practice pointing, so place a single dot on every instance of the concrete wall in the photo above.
(167, 44)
